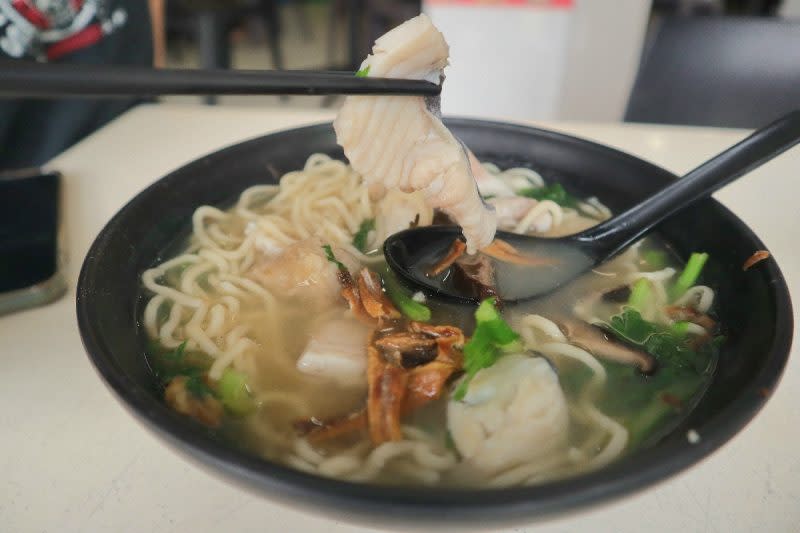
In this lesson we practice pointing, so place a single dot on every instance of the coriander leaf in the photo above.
(631, 326)
(670, 345)
(649, 401)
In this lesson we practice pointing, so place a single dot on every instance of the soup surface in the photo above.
(280, 327)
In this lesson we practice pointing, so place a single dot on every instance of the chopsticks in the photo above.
(41, 80)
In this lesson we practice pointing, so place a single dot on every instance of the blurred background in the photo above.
(728, 63)
(666, 61)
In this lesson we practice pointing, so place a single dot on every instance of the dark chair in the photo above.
(718, 71)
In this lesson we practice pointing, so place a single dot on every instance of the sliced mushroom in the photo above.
(449, 339)
(618, 295)
(602, 343)
(407, 349)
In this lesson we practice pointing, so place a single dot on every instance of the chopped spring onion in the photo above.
(491, 337)
(332, 258)
(401, 299)
(234, 394)
(554, 192)
(689, 275)
(360, 237)
(680, 328)
(363, 73)
(640, 294)
(488, 319)
(655, 259)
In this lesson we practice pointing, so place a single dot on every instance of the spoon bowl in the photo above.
(413, 253)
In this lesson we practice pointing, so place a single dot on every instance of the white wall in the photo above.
(576, 62)
(504, 61)
(605, 47)
(790, 9)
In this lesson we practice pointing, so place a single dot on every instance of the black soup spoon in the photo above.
(412, 253)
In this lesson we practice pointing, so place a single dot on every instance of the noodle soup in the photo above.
(280, 327)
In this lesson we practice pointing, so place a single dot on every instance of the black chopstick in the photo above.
(41, 80)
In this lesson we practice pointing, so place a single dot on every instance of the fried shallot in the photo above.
(397, 385)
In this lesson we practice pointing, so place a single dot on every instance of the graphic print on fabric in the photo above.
(46, 30)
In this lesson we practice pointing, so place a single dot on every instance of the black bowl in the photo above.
(754, 308)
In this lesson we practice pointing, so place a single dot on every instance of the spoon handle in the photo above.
(763, 145)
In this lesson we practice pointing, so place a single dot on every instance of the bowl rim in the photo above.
(433, 503)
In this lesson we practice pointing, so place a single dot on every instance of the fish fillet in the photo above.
(400, 142)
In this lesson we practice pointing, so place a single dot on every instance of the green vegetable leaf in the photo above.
(477, 356)
(363, 73)
(491, 323)
(668, 344)
(651, 400)
(332, 258)
(492, 336)
(631, 326)
(402, 300)
(360, 237)
(234, 393)
(680, 329)
(487, 311)
(554, 192)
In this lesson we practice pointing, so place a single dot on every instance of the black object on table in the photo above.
(738, 72)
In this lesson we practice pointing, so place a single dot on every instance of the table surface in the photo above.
(74, 460)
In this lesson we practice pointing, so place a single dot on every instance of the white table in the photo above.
(71, 459)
